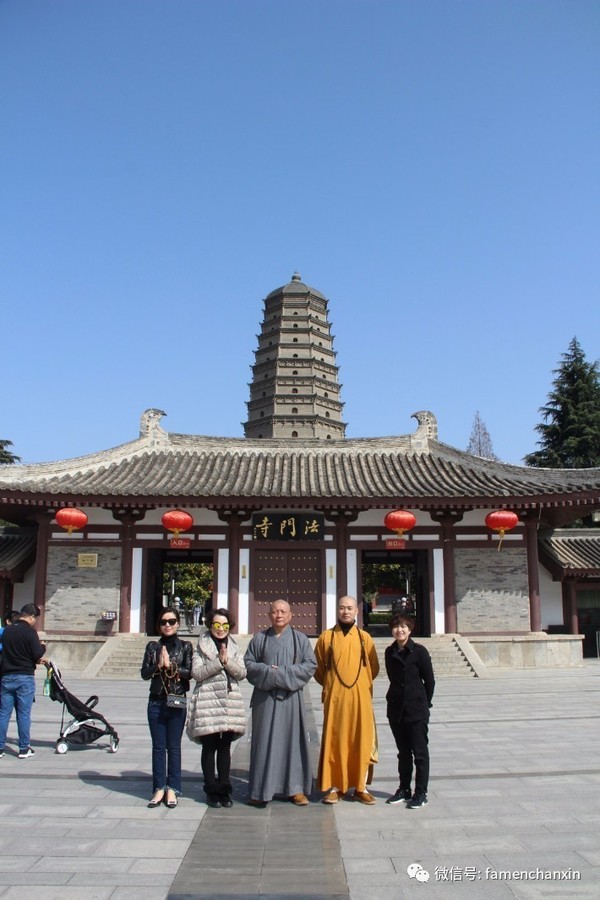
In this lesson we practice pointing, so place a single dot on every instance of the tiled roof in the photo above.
(296, 286)
(413, 467)
(573, 552)
(16, 545)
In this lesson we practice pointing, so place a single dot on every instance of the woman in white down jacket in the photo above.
(216, 715)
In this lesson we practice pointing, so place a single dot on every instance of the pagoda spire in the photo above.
(295, 391)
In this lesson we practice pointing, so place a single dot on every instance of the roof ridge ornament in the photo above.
(426, 431)
(150, 425)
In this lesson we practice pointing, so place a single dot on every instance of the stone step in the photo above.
(121, 656)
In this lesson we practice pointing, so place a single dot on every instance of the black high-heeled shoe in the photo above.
(156, 801)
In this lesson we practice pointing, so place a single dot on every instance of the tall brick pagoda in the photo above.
(295, 392)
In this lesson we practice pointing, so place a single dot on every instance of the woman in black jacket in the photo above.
(167, 665)
(408, 666)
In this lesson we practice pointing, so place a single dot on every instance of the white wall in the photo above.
(25, 592)
(244, 592)
(223, 579)
(439, 615)
(551, 599)
(135, 622)
(330, 588)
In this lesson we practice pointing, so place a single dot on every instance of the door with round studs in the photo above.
(292, 575)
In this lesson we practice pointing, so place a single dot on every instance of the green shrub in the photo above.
(380, 618)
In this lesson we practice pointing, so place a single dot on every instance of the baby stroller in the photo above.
(86, 726)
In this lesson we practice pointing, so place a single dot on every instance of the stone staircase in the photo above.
(447, 655)
(121, 656)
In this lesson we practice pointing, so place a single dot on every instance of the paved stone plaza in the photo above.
(515, 788)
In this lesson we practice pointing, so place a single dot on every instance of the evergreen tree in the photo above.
(480, 442)
(570, 432)
(5, 455)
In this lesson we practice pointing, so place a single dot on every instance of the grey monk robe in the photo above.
(279, 756)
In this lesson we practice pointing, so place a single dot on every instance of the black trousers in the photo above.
(413, 743)
(217, 748)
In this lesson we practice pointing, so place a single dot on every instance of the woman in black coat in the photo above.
(167, 665)
(409, 669)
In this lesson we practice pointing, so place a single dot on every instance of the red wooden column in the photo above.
(572, 620)
(341, 520)
(128, 519)
(533, 574)
(450, 617)
(127, 523)
(341, 558)
(41, 565)
(234, 520)
(5, 597)
(233, 588)
(447, 520)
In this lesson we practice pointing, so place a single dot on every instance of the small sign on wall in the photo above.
(87, 560)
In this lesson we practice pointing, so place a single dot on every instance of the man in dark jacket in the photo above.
(9, 619)
(408, 666)
(22, 651)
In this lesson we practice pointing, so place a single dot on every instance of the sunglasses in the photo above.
(224, 626)
(168, 622)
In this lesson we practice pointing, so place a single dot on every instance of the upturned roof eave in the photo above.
(43, 498)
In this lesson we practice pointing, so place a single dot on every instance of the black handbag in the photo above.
(174, 701)
(177, 701)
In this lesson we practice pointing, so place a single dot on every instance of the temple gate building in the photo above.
(296, 510)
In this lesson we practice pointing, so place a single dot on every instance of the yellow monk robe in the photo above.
(349, 726)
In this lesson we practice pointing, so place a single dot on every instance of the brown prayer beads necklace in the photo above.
(332, 663)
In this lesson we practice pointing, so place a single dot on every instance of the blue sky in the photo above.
(431, 167)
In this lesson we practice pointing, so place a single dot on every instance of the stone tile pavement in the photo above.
(514, 807)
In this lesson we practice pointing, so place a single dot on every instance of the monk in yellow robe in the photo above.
(346, 666)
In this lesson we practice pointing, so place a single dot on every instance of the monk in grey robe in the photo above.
(279, 662)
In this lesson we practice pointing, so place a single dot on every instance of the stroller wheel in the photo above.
(114, 745)
(61, 746)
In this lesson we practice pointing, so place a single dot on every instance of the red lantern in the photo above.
(501, 520)
(71, 519)
(176, 520)
(400, 521)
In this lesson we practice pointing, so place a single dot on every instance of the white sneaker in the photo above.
(26, 754)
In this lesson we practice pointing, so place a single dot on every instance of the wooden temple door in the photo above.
(292, 575)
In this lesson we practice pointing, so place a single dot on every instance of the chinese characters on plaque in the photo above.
(288, 527)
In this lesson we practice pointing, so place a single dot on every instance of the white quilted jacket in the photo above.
(216, 704)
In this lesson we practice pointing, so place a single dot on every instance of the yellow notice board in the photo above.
(87, 560)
